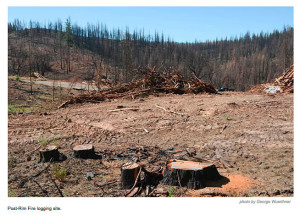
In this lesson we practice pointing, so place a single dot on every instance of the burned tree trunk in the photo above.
(130, 175)
(189, 174)
(153, 177)
(49, 153)
(84, 151)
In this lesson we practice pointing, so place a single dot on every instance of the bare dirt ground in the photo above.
(254, 132)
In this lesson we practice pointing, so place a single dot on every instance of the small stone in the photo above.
(89, 176)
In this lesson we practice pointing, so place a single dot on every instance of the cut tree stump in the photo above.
(189, 174)
(84, 151)
(48, 153)
(130, 174)
(153, 177)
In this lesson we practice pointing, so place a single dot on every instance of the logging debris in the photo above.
(283, 84)
(38, 76)
(153, 82)
(286, 81)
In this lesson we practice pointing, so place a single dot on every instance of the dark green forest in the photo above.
(58, 47)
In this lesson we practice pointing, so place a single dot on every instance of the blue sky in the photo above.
(182, 24)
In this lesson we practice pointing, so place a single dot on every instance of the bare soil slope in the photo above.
(253, 132)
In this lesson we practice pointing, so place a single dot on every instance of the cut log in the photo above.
(48, 153)
(189, 174)
(130, 174)
(84, 151)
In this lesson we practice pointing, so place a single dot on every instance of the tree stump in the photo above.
(153, 177)
(84, 151)
(130, 172)
(48, 153)
(189, 174)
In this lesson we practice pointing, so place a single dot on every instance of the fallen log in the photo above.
(189, 174)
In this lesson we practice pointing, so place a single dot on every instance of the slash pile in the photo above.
(151, 83)
(286, 81)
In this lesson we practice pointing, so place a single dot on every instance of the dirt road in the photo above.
(253, 132)
(80, 86)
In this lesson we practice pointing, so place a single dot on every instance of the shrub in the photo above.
(171, 189)
(59, 173)
(18, 78)
(43, 141)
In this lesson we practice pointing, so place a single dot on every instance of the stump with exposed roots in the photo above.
(49, 153)
(84, 151)
(189, 174)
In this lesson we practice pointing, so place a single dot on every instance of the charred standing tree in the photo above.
(192, 175)
(237, 63)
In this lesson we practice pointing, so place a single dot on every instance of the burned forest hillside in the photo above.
(94, 112)
(67, 51)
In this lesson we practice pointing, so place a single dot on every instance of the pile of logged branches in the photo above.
(286, 81)
(152, 82)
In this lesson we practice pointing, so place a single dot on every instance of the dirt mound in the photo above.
(152, 82)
